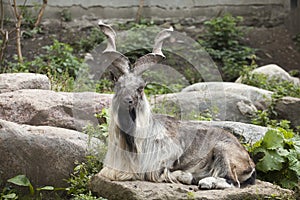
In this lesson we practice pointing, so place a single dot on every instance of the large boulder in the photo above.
(289, 108)
(246, 133)
(274, 71)
(224, 101)
(140, 190)
(16, 81)
(46, 107)
(46, 155)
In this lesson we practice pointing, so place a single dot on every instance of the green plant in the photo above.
(101, 130)
(278, 156)
(95, 37)
(152, 89)
(79, 178)
(280, 87)
(190, 195)
(28, 18)
(8, 194)
(66, 15)
(104, 85)
(222, 41)
(59, 63)
(88, 196)
(297, 41)
(23, 181)
(59, 58)
(61, 81)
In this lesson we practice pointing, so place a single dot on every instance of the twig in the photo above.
(2, 14)
(18, 19)
(139, 11)
(4, 35)
(41, 13)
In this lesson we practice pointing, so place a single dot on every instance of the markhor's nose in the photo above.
(128, 99)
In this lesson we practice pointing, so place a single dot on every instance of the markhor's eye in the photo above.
(140, 89)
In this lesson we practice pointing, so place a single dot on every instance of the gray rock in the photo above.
(139, 190)
(289, 108)
(16, 81)
(274, 71)
(59, 109)
(246, 133)
(224, 101)
(46, 155)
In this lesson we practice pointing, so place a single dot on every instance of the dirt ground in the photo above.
(274, 45)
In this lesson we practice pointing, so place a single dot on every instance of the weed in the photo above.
(81, 175)
(280, 87)
(222, 42)
(94, 38)
(9, 193)
(59, 63)
(66, 15)
(277, 156)
(297, 41)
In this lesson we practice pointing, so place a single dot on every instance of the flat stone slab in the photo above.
(139, 190)
(17, 81)
(50, 108)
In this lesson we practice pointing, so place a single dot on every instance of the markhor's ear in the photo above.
(146, 61)
(110, 55)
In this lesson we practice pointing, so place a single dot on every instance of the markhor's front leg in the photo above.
(214, 183)
(116, 175)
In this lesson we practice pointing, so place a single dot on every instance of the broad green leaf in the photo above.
(9, 196)
(296, 144)
(273, 139)
(294, 163)
(270, 162)
(49, 188)
(20, 180)
(286, 134)
(282, 152)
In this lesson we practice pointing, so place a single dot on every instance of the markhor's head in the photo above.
(129, 96)
(128, 99)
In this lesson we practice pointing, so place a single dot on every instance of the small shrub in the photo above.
(94, 38)
(280, 87)
(59, 63)
(88, 196)
(66, 15)
(12, 193)
(81, 175)
(222, 41)
(297, 41)
(60, 58)
(277, 156)
(104, 85)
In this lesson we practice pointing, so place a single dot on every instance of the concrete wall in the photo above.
(255, 11)
(292, 22)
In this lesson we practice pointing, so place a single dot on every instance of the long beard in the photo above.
(126, 119)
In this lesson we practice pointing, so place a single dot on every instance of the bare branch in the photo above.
(139, 11)
(2, 14)
(41, 13)
(4, 35)
(18, 19)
